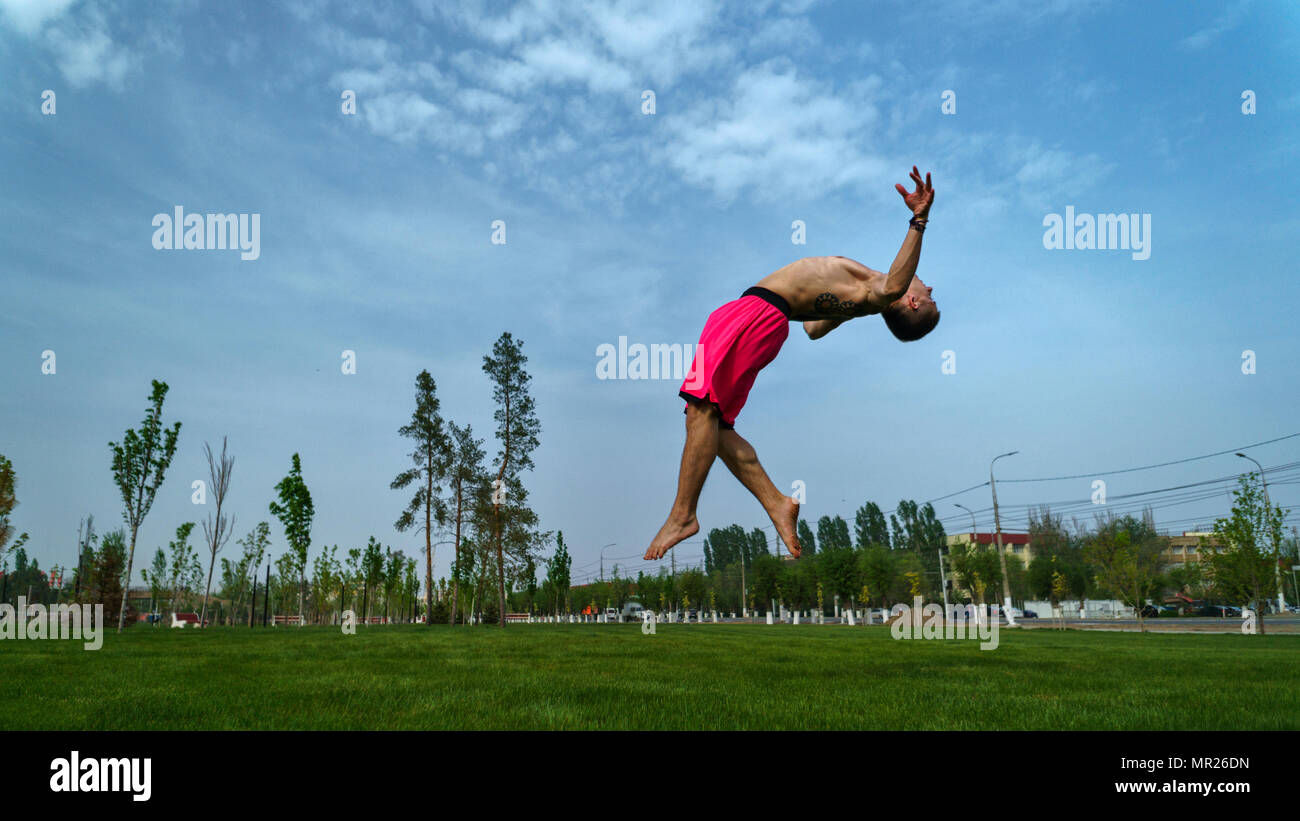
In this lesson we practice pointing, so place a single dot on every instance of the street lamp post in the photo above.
(1268, 515)
(974, 539)
(997, 529)
(602, 559)
(973, 531)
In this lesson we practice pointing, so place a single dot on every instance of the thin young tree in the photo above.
(559, 571)
(517, 431)
(156, 576)
(372, 570)
(255, 545)
(465, 474)
(295, 511)
(85, 545)
(139, 464)
(1251, 536)
(216, 528)
(183, 557)
(351, 574)
(432, 455)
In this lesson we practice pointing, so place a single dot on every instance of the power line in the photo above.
(1150, 467)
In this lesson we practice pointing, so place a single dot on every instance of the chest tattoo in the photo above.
(828, 303)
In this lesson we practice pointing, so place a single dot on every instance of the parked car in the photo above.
(632, 611)
(1153, 611)
(1017, 613)
(1219, 611)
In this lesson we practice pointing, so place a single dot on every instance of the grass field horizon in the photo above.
(613, 677)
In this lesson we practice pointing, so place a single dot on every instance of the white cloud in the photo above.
(561, 61)
(29, 16)
(81, 44)
(1223, 23)
(86, 54)
(391, 76)
(778, 134)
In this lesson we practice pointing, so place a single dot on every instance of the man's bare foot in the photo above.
(786, 520)
(670, 534)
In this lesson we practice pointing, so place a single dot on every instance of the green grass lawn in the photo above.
(613, 677)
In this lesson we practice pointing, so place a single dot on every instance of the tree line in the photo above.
(891, 559)
(480, 504)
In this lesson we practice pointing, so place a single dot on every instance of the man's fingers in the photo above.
(901, 189)
(927, 182)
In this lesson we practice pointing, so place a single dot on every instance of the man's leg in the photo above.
(741, 458)
(697, 457)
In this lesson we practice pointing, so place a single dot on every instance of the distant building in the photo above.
(1013, 544)
(1187, 547)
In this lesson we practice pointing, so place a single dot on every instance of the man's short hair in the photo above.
(907, 325)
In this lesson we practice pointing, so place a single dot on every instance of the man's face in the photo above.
(918, 294)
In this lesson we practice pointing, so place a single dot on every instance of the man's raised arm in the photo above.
(901, 272)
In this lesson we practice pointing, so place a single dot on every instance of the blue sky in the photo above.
(376, 237)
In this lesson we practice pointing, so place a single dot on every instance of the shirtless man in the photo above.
(743, 336)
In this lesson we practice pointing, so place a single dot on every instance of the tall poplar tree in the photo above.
(295, 512)
(139, 463)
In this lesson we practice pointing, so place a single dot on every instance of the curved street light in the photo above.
(997, 528)
(973, 530)
(602, 559)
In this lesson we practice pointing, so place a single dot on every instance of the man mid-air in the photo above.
(742, 337)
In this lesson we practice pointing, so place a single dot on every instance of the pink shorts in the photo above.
(737, 342)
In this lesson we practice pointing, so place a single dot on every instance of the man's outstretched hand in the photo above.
(920, 199)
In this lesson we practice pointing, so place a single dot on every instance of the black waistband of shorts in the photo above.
(772, 298)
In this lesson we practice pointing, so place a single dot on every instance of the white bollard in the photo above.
(849, 613)
(715, 616)
(769, 617)
(796, 617)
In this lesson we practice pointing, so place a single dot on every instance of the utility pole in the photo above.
(997, 527)
(1295, 537)
(744, 611)
(673, 558)
(266, 594)
(943, 583)
(1268, 514)
(252, 607)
